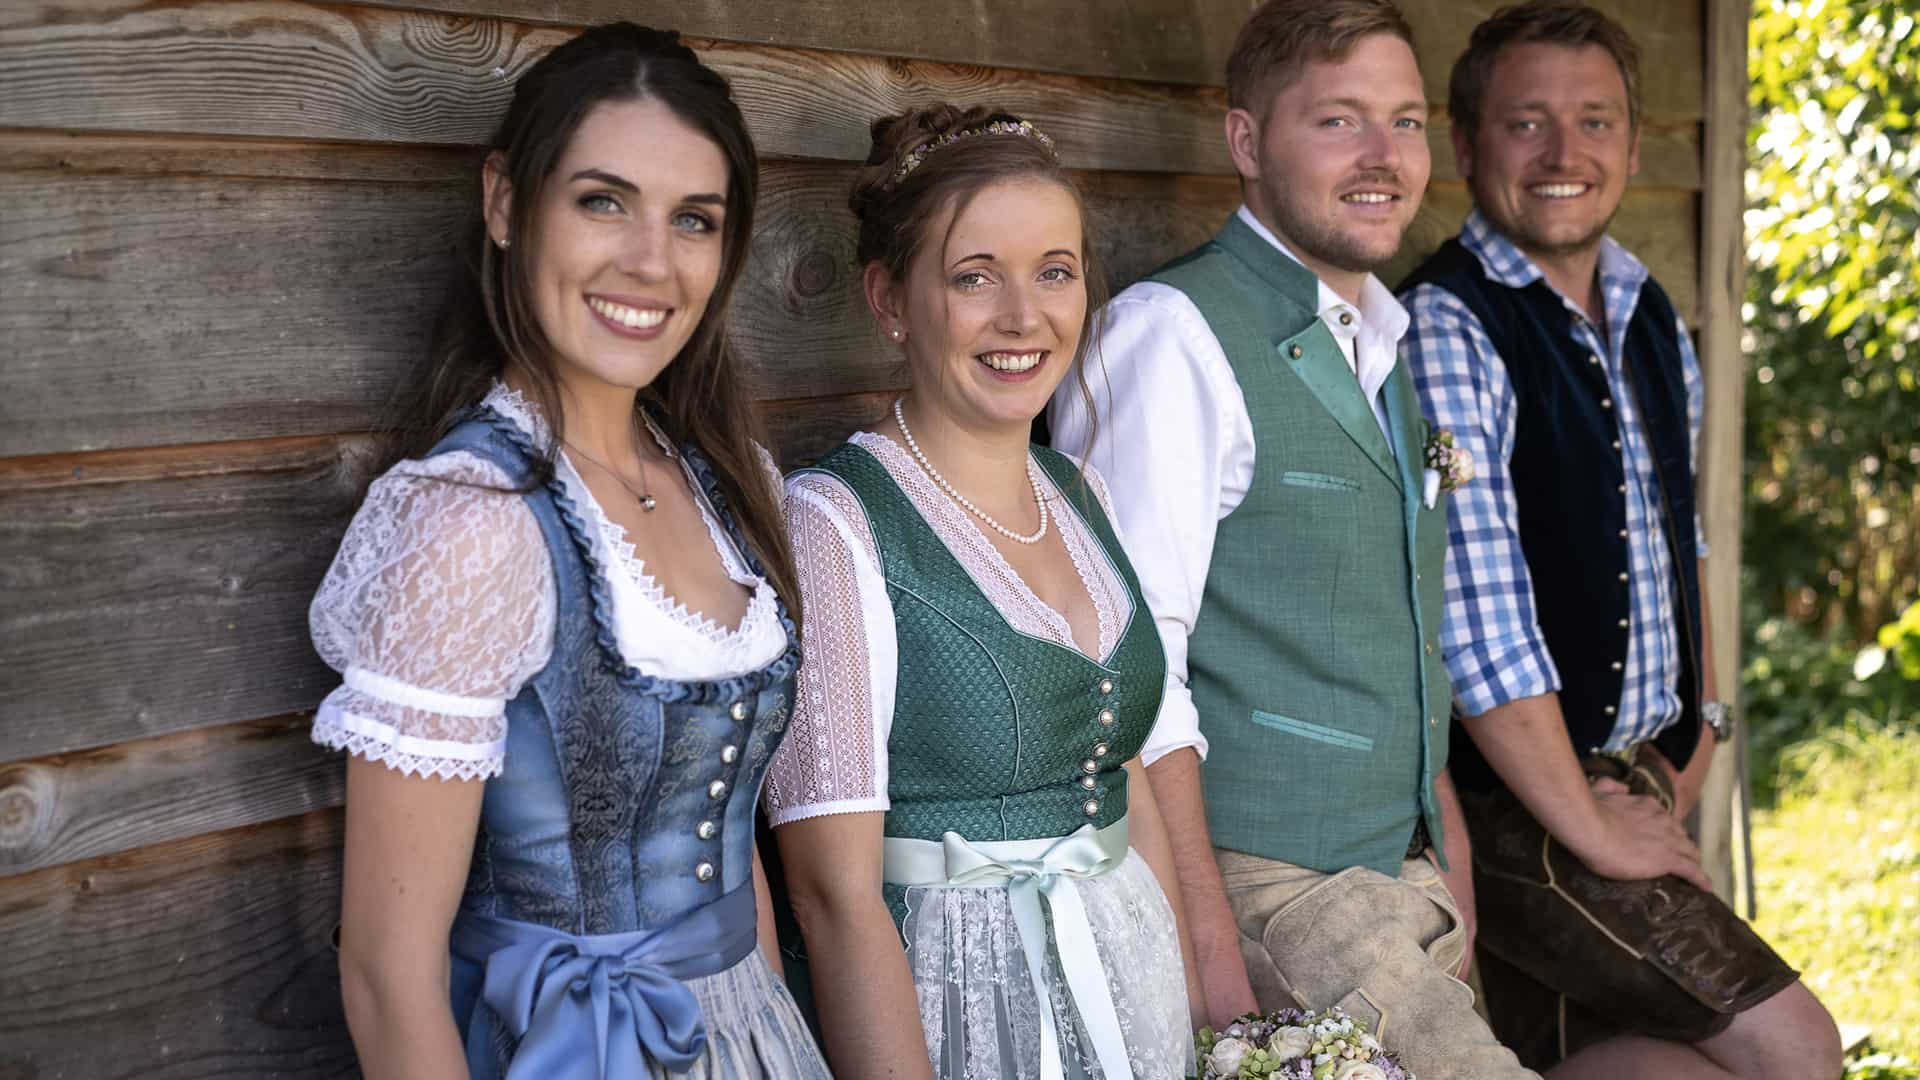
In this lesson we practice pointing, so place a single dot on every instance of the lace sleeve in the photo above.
(834, 757)
(436, 611)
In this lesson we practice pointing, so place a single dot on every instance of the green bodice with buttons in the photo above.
(998, 735)
(1313, 662)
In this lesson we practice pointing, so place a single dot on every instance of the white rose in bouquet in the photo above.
(1290, 1042)
(1225, 1059)
(1355, 1069)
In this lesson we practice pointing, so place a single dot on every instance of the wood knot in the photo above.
(814, 273)
(26, 810)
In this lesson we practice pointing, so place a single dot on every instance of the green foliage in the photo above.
(1833, 312)
(1799, 682)
(1837, 867)
(1878, 1066)
(1899, 642)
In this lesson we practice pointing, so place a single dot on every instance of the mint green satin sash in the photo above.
(1035, 872)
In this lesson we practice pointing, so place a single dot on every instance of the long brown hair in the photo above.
(488, 326)
(897, 213)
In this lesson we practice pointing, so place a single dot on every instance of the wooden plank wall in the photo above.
(223, 225)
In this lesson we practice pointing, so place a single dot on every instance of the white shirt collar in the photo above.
(1379, 311)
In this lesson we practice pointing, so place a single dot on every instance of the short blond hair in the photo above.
(1284, 36)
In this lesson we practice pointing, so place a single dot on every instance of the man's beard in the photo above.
(1531, 240)
(1535, 244)
(1319, 239)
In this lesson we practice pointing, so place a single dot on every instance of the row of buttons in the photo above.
(717, 790)
(1106, 718)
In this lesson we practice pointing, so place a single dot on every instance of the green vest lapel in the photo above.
(1312, 353)
(1403, 417)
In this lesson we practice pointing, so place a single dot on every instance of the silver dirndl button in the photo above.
(717, 789)
(704, 871)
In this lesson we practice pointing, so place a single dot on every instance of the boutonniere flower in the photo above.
(1449, 467)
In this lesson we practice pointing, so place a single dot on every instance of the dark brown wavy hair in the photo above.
(897, 216)
(488, 327)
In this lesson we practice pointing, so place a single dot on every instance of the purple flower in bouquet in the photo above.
(1453, 463)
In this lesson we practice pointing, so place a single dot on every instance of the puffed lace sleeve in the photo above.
(833, 759)
(436, 611)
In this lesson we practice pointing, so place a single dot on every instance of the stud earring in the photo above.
(896, 333)
(503, 244)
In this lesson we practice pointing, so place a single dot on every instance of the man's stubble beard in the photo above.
(1315, 238)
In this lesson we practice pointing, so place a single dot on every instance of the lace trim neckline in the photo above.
(522, 413)
(901, 467)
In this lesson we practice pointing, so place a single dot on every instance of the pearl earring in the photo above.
(896, 333)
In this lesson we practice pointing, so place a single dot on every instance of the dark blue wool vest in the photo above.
(1568, 475)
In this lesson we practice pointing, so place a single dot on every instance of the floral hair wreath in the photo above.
(1022, 128)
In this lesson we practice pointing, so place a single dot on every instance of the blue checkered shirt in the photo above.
(1491, 638)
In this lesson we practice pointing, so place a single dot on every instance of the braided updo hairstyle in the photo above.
(898, 214)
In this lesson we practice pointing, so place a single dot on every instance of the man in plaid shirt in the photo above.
(1575, 619)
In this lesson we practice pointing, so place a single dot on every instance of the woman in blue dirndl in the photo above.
(559, 618)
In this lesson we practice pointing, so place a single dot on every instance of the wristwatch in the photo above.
(1718, 717)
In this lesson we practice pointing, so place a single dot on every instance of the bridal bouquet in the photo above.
(1288, 1044)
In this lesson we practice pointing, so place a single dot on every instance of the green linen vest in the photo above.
(998, 735)
(1314, 662)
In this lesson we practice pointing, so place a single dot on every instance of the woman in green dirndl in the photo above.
(973, 856)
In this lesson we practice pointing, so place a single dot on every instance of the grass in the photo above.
(1837, 865)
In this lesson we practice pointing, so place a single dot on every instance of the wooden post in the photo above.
(1722, 289)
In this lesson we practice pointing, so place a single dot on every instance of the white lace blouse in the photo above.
(834, 757)
(440, 605)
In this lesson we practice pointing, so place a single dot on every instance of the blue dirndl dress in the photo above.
(607, 928)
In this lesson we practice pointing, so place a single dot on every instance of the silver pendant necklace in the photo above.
(645, 499)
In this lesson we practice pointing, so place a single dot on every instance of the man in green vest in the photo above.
(1266, 456)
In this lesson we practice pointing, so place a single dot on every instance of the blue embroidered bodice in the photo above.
(625, 800)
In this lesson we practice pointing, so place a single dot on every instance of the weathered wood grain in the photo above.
(289, 69)
(1669, 157)
(1173, 41)
(139, 609)
(804, 430)
(139, 310)
(71, 807)
(43, 471)
(208, 957)
(146, 310)
(1723, 269)
(365, 75)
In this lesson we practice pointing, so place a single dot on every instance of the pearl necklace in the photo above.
(1033, 477)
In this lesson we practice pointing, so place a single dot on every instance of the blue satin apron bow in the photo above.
(593, 1007)
(1035, 872)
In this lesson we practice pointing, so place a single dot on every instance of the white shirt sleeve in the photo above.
(833, 758)
(1169, 430)
(437, 609)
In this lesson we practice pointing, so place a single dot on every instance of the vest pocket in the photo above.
(1319, 481)
(1318, 733)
